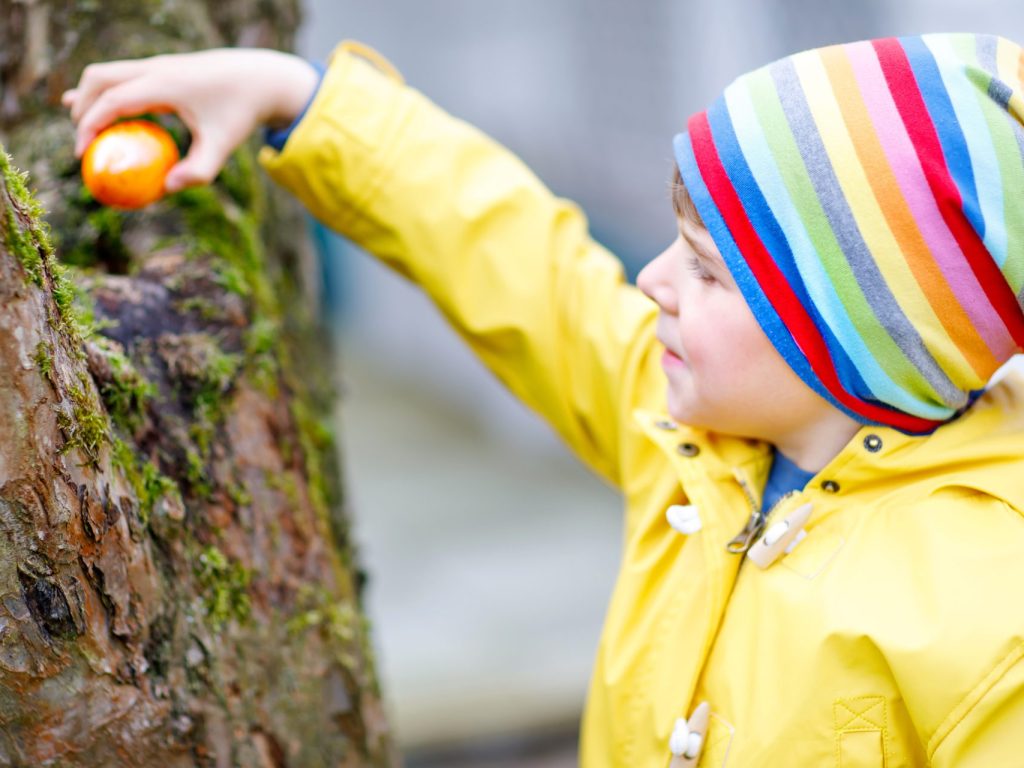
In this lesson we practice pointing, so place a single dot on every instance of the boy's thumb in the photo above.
(200, 166)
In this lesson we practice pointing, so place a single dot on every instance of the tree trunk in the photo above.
(177, 587)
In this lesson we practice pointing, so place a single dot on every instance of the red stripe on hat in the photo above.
(775, 286)
(918, 122)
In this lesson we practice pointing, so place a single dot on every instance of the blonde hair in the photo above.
(682, 202)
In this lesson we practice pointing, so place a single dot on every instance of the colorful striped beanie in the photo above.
(868, 199)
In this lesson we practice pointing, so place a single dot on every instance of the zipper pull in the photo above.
(743, 540)
(755, 526)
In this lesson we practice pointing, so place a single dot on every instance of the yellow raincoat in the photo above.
(892, 635)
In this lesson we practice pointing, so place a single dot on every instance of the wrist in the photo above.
(294, 82)
(278, 137)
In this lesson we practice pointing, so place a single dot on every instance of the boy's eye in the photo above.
(697, 267)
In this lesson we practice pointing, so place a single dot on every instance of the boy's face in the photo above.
(723, 372)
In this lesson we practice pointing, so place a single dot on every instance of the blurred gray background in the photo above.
(491, 552)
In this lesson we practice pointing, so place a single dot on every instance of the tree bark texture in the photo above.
(177, 587)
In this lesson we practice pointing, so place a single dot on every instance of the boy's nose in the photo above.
(654, 281)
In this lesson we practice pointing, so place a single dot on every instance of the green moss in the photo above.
(63, 293)
(128, 392)
(300, 622)
(239, 495)
(225, 587)
(286, 483)
(262, 340)
(231, 279)
(339, 618)
(262, 337)
(231, 234)
(122, 457)
(75, 308)
(148, 483)
(346, 632)
(240, 180)
(100, 239)
(44, 359)
(204, 374)
(201, 306)
(86, 428)
(196, 476)
(220, 370)
(32, 246)
(317, 443)
(154, 484)
(17, 186)
(201, 433)
(208, 401)
(16, 181)
(18, 243)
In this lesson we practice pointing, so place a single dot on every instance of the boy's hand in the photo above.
(222, 95)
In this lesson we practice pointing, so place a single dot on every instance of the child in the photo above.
(824, 534)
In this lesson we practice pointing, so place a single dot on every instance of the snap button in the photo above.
(830, 486)
(669, 426)
(684, 518)
(688, 449)
(873, 443)
(780, 538)
(687, 739)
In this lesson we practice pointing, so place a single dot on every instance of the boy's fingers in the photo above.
(97, 78)
(124, 100)
(200, 166)
(67, 98)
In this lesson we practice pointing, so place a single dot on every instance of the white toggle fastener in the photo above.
(780, 538)
(680, 738)
(688, 737)
(693, 745)
(775, 533)
(792, 545)
(684, 518)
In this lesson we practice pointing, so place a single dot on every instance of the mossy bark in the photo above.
(177, 586)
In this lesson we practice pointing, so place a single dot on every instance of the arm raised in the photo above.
(222, 95)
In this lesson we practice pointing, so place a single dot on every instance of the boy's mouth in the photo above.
(671, 360)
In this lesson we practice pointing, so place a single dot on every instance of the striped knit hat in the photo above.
(868, 199)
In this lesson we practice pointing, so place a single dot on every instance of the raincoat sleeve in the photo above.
(510, 265)
(988, 728)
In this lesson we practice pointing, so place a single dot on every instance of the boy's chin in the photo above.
(685, 411)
